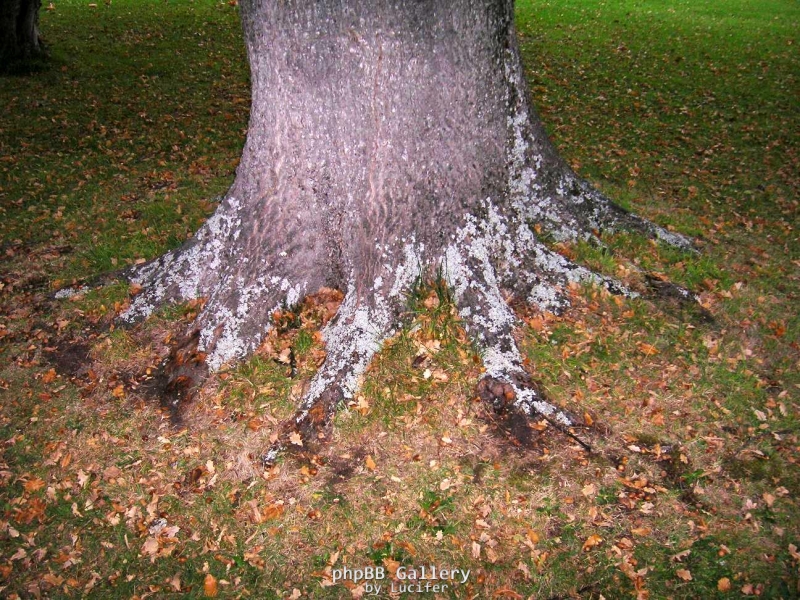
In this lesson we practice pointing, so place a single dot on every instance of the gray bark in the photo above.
(387, 141)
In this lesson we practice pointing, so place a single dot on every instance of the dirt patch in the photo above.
(71, 357)
(343, 467)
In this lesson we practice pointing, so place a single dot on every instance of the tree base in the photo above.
(403, 148)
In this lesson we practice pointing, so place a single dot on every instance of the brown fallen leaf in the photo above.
(273, 511)
(684, 574)
(175, 582)
(150, 547)
(533, 536)
(33, 484)
(507, 593)
(370, 463)
(592, 541)
(210, 587)
(724, 585)
(648, 349)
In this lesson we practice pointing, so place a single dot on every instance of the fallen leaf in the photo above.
(33, 484)
(507, 593)
(793, 552)
(684, 574)
(680, 555)
(19, 554)
(296, 439)
(210, 588)
(150, 547)
(273, 511)
(476, 550)
(648, 349)
(724, 585)
(54, 580)
(592, 541)
(370, 463)
(285, 356)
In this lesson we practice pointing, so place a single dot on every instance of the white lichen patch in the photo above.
(525, 193)
(178, 273)
(528, 401)
(672, 239)
(361, 325)
(351, 340)
(70, 292)
(229, 335)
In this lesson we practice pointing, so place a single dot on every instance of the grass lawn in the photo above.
(686, 112)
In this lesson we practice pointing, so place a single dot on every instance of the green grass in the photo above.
(682, 111)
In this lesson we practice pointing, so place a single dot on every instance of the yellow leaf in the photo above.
(724, 585)
(370, 463)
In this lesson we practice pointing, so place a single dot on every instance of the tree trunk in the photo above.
(19, 31)
(388, 141)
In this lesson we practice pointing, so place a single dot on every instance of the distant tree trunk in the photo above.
(388, 140)
(19, 31)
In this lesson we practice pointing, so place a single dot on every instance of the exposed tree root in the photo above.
(488, 260)
(179, 377)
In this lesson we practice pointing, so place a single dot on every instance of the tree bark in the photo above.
(19, 31)
(388, 141)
